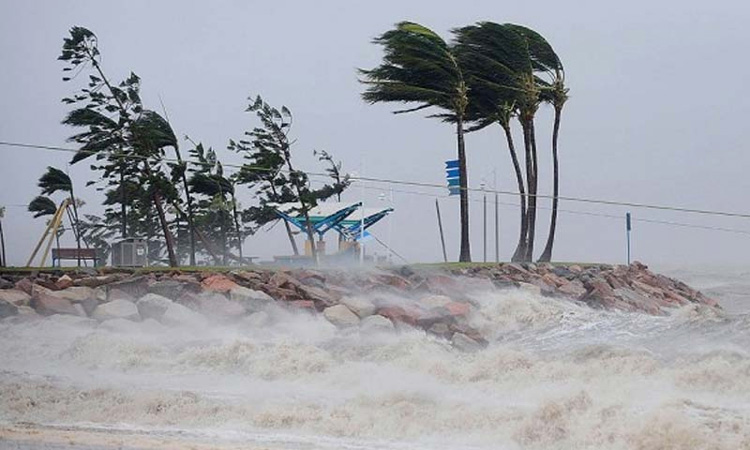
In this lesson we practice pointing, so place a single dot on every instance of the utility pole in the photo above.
(628, 227)
(484, 221)
(440, 227)
(497, 217)
(362, 216)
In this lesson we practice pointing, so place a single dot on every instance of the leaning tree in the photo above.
(117, 129)
(55, 180)
(420, 68)
(493, 56)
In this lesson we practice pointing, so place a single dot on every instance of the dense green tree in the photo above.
(217, 208)
(270, 171)
(420, 68)
(117, 129)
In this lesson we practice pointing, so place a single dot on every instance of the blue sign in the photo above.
(453, 177)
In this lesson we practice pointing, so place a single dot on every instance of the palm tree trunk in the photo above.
(76, 228)
(237, 229)
(310, 235)
(465, 251)
(531, 211)
(169, 241)
(529, 177)
(223, 233)
(547, 253)
(189, 199)
(286, 225)
(521, 247)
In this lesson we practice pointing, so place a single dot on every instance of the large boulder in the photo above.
(47, 305)
(177, 314)
(219, 283)
(465, 343)
(174, 289)
(135, 287)
(76, 294)
(7, 309)
(5, 284)
(117, 309)
(64, 282)
(119, 294)
(376, 323)
(341, 316)
(216, 305)
(15, 297)
(164, 310)
(572, 289)
(320, 296)
(25, 285)
(250, 299)
(359, 305)
(153, 306)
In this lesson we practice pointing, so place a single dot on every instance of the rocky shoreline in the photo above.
(433, 298)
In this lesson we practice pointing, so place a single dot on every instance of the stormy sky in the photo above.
(657, 113)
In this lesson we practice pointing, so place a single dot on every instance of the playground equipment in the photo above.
(49, 233)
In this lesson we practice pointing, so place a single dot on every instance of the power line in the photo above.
(581, 213)
(429, 185)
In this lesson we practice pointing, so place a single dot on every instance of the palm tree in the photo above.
(493, 57)
(44, 206)
(55, 180)
(420, 68)
(3, 262)
(551, 79)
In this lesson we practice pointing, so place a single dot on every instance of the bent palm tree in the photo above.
(420, 68)
(54, 180)
(493, 56)
(551, 79)
(44, 206)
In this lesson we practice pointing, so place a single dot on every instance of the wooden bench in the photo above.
(74, 254)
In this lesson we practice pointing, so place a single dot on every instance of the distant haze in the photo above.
(658, 111)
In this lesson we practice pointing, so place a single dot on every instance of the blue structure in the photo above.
(332, 216)
(453, 177)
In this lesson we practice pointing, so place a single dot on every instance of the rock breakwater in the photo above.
(436, 299)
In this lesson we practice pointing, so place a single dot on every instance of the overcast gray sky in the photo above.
(657, 114)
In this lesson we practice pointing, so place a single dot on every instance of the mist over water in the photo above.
(556, 375)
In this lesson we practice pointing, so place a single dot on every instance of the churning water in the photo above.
(557, 375)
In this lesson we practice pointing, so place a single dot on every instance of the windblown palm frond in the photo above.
(55, 180)
(418, 67)
(210, 185)
(543, 56)
(153, 130)
(42, 206)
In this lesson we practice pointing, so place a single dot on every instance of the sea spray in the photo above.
(555, 375)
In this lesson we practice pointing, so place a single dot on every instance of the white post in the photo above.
(362, 216)
(390, 230)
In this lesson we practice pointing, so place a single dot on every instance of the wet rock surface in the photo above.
(433, 298)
